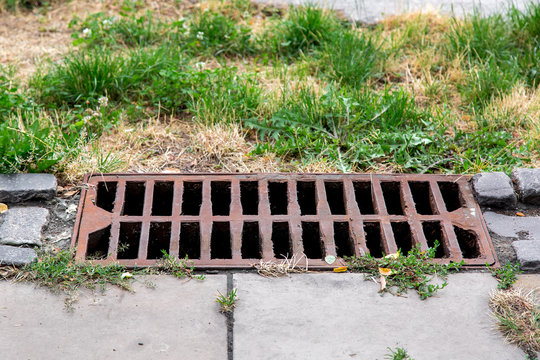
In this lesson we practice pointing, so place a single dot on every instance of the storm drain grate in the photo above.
(232, 220)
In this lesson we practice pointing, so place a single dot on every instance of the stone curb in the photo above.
(16, 188)
(494, 189)
(527, 252)
(528, 185)
(16, 256)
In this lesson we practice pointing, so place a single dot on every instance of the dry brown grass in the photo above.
(283, 268)
(27, 38)
(518, 317)
(519, 110)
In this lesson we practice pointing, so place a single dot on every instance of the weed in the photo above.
(227, 302)
(180, 268)
(397, 354)
(304, 29)
(506, 275)
(219, 35)
(414, 271)
(100, 29)
(350, 58)
(518, 318)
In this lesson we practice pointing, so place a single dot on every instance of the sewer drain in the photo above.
(232, 220)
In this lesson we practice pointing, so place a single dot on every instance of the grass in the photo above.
(518, 317)
(227, 302)
(414, 93)
(399, 273)
(398, 354)
(283, 268)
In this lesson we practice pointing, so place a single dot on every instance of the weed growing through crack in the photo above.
(506, 275)
(397, 354)
(227, 302)
(401, 273)
(180, 268)
(518, 315)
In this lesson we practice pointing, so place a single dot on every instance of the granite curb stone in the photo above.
(22, 226)
(527, 184)
(16, 188)
(494, 189)
(16, 256)
(528, 254)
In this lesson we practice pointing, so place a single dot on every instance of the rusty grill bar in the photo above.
(233, 220)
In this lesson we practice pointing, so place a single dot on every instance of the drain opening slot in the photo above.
(372, 231)
(335, 197)
(342, 239)
(249, 197)
(220, 241)
(421, 194)
(364, 199)
(129, 239)
(433, 232)
(402, 236)
(190, 240)
(163, 198)
(305, 191)
(106, 195)
(221, 198)
(159, 239)
(451, 195)
(192, 198)
(468, 242)
(251, 241)
(134, 198)
(281, 240)
(311, 238)
(98, 244)
(392, 197)
(279, 199)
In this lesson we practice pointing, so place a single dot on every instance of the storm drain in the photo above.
(233, 220)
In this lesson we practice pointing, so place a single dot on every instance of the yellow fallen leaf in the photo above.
(392, 256)
(126, 275)
(3, 208)
(385, 271)
(520, 214)
(340, 269)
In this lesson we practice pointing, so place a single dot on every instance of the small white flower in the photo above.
(103, 101)
(107, 23)
(200, 35)
(87, 118)
(87, 32)
(199, 65)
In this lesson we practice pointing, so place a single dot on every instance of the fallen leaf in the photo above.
(3, 208)
(126, 275)
(392, 256)
(70, 193)
(385, 271)
(340, 269)
(330, 259)
(520, 214)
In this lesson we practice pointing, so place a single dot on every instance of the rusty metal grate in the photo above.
(232, 220)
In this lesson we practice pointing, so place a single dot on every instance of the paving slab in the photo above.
(528, 185)
(22, 226)
(372, 11)
(528, 254)
(16, 256)
(16, 188)
(523, 228)
(494, 189)
(341, 316)
(178, 319)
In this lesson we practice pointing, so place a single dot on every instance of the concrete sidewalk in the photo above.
(305, 316)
